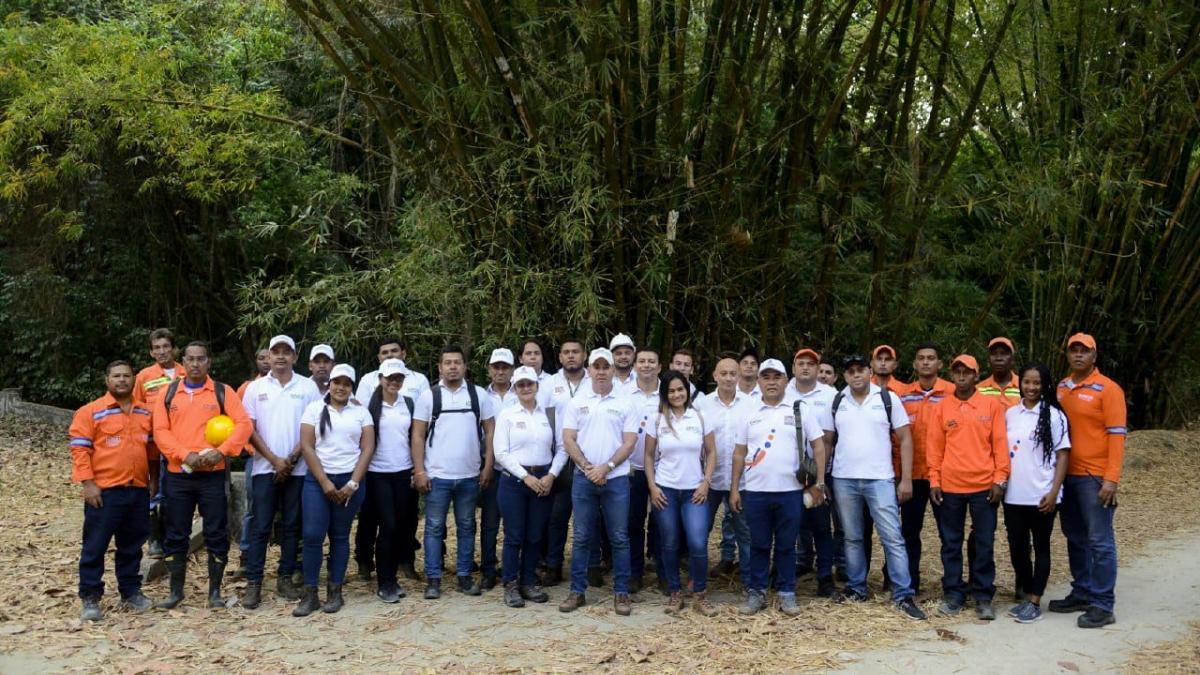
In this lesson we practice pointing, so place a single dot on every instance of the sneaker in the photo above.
(950, 607)
(136, 603)
(1016, 609)
(1028, 612)
(388, 594)
(983, 610)
(572, 602)
(91, 610)
(622, 605)
(849, 595)
(1095, 617)
(787, 604)
(911, 610)
(533, 594)
(1068, 605)
(755, 602)
(468, 586)
(433, 589)
(512, 595)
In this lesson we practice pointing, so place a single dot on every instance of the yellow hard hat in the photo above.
(218, 430)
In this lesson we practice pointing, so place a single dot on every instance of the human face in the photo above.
(1081, 358)
(826, 374)
(390, 350)
(623, 356)
(682, 363)
(320, 368)
(601, 373)
(392, 384)
(884, 363)
(283, 358)
(805, 370)
(195, 363)
(527, 392)
(964, 380)
(748, 368)
(926, 363)
(340, 389)
(726, 375)
(163, 352)
(262, 361)
(119, 382)
(501, 374)
(646, 365)
(858, 377)
(1031, 386)
(1000, 358)
(531, 355)
(677, 395)
(570, 355)
(771, 383)
(451, 368)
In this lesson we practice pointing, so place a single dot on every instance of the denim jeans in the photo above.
(271, 498)
(393, 503)
(612, 500)
(639, 502)
(245, 543)
(1091, 542)
(489, 526)
(125, 516)
(323, 518)
(952, 525)
(912, 522)
(464, 493)
(187, 492)
(525, 516)
(879, 498)
(739, 532)
(774, 518)
(695, 521)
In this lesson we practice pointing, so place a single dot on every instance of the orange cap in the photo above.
(967, 360)
(807, 351)
(1083, 339)
(875, 352)
(1002, 341)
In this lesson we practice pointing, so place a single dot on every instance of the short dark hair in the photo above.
(569, 340)
(728, 354)
(117, 364)
(749, 351)
(390, 340)
(197, 343)
(928, 345)
(162, 334)
(683, 351)
(453, 349)
(652, 350)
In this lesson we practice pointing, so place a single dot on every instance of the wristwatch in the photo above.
(353, 484)
(611, 466)
(1003, 485)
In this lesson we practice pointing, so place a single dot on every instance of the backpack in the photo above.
(438, 412)
(885, 394)
(218, 389)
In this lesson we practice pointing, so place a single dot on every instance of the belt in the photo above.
(541, 468)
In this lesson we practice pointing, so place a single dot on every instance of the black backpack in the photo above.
(885, 394)
(438, 412)
(173, 389)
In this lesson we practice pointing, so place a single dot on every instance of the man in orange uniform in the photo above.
(150, 383)
(1001, 382)
(883, 370)
(1095, 407)
(113, 459)
(180, 417)
(968, 471)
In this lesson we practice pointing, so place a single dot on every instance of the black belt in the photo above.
(541, 468)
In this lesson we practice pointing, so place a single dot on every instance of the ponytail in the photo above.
(325, 423)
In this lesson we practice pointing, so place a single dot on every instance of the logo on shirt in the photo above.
(583, 410)
(951, 424)
(113, 441)
(520, 425)
(790, 419)
(263, 396)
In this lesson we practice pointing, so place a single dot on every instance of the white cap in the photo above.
(600, 353)
(524, 374)
(393, 367)
(502, 355)
(321, 350)
(771, 364)
(620, 340)
(282, 340)
(342, 370)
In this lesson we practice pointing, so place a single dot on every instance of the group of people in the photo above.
(639, 460)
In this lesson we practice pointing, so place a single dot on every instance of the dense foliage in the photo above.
(702, 174)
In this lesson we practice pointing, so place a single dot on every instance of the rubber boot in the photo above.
(309, 602)
(177, 569)
(154, 548)
(216, 570)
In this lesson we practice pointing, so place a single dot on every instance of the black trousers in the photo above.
(1026, 524)
(952, 520)
(365, 537)
(203, 490)
(392, 502)
(124, 515)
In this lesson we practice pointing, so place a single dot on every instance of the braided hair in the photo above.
(1048, 400)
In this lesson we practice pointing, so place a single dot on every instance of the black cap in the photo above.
(854, 360)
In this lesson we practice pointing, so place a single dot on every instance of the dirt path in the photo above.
(1156, 598)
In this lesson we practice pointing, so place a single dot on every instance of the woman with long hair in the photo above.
(337, 439)
(681, 455)
(1038, 442)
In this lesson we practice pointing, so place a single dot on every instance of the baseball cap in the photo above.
(502, 355)
(771, 364)
(600, 353)
(1002, 341)
(393, 367)
(620, 340)
(967, 360)
(807, 351)
(282, 340)
(875, 352)
(1083, 339)
(342, 370)
(321, 350)
(524, 374)
(855, 360)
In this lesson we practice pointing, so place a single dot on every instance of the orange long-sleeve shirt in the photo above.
(919, 404)
(182, 432)
(151, 382)
(110, 446)
(1008, 396)
(968, 444)
(1096, 414)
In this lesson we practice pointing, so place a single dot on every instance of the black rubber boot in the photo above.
(216, 571)
(253, 596)
(177, 569)
(333, 599)
(309, 602)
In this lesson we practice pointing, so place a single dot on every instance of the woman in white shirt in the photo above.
(391, 500)
(337, 439)
(1038, 442)
(524, 446)
(681, 455)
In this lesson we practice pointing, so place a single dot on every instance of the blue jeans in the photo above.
(879, 497)
(245, 543)
(489, 526)
(1091, 542)
(525, 516)
(271, 498)
(739, 532)
(774, 519)
(695, 521)
(123, 515)
(612, 501)
(464, 493)
(324, 518)
(952, 527)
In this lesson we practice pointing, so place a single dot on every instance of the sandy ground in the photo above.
(40, 517)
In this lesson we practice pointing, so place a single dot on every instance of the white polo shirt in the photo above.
(645, 407)
(556, 393)
(622, 386)
(679, 447)
(1031, 475)
(276, 410)
(414, 385)
(524, 438)
(601, 422)
(864, 445)
(819, 400)
(338, 448)
(393, 447)
(724, 421)
(756, 392)
(453, 452)
(772, 458)
(499, 403)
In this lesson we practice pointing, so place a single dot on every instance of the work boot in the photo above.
(512, 595)
(364, 571)
(310, 602)
(553, 576)
(253, 597)
(216, 570)
(787, 604)
(1068, 605)
(433, 589)
(136, 603)
(674, 603)
(723, 568)
(595, 577)
(622, 604)
(298, 579)
(333, 599)
(177, 569)
(286, 588)
(1095, 617)
(91, 609)
(488, 583)
(701, 604)
(572, 602)
(755, 602)
(468, 586)
(408, 571)
(154, 546)
(533, 594)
